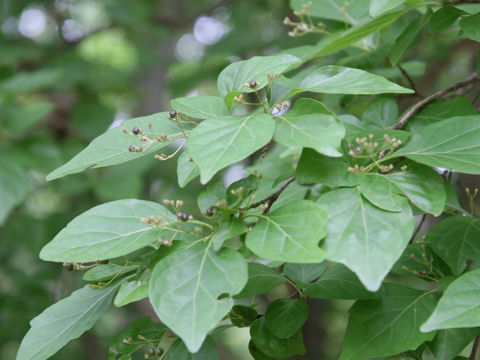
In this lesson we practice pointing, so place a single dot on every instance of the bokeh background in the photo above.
(71, 69)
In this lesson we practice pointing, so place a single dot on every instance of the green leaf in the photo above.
(261, 279)
(452, 198)
(363, 237)
(63, 321)
(273, 346)
(381, 114)
(471, 27)
(316, 168)
(178, 351)
(284, 317)
(335, 9)
(333, 79)
(145, 327)
(441, 110)
(387, 326)
(339, 282)
(451, 144)
(131, 291)
(381, 192)
(450, 342)
(97, 234)
(290, 233)
(310, 124)
(226, 231)
(222, 141)
(112, 147)
(304, 273)
(212, 196)
(359, 32)
(187, 169)
(241, 189)
(458, 306)
(378, 7)
(234, 79)
(407, 37)
(14, 186)
(444, 18)
(455, 240)
(200, 107)
(185, 287)
(423, 186)
(242, 316)
(256, 353)
(107, 271)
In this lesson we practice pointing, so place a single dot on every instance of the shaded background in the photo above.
(70, 69)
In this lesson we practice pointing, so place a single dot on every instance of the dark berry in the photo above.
(209, 212)
(253, 84)
(423, 272)
(469, 261)
(182, 216)
(131, 148)
(68, 266)
(158, 352)
(172, 114)
(136, 130)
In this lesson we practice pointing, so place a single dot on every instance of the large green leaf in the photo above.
(339, 282)
(107, 231)
(450, 342)
(387, 326)
(451, 144)
(261, 279)
(359, 32)
(381, 114)
(290, 233)
(272, 345)
(178, 351)
(63, 321)
(441, 110)
(378, 7)
(200, 107)
(381, 192)
(363, 237)
(333, 79)
(317, 168)
(310, 124)
(422, 186)
(234, 79)
(335, 9)
(284, 317)
(221, 141)
(185, 288)
(14, 186)
(112, 147)
(145, 327)
(470, 27)
(407, 37)
(456, 240)
(459, 305)
(444, 17)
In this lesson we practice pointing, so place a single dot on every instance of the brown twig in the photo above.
(409, 79)
(269, 200)
(421, 104)
(473, 355)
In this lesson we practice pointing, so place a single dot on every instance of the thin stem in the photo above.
(409, 79)
(418, 228)
(421, 104)
(270, 199)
